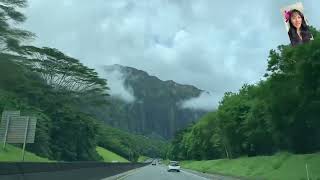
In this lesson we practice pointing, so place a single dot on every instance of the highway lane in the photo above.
(159, 172)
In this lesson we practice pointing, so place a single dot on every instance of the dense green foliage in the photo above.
(54, 87)
(63, 132)
(279, 113)
(143, 158)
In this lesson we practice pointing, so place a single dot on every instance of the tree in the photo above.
(11, 36)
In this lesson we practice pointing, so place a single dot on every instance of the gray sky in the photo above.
(215, 45)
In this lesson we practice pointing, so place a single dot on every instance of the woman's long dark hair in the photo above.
(305, 33)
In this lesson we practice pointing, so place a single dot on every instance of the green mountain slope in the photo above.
(156, 111)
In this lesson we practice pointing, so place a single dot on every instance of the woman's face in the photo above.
(296, 20)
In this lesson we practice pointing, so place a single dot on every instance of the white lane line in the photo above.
(194, 174)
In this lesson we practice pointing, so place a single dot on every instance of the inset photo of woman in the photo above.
(296, 24)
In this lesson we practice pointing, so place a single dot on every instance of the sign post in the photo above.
(6, 133)
(25, 138)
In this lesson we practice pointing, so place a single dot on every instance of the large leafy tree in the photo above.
(46, 83)
(62, 71)
(10, 36)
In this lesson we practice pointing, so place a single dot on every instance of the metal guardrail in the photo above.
(63, 170)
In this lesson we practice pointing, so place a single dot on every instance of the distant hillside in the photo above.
(155, 111)
(128, 145)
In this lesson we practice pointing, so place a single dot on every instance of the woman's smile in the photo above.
(296, 20)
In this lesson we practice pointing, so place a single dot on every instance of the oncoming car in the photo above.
(154, 163)
(174, 166)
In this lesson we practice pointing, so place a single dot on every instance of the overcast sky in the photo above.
(214, 45)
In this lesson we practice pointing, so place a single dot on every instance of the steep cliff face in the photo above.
(156, 109)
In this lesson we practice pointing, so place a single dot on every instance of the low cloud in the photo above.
(206, 101)
(116, 84)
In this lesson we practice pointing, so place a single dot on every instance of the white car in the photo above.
(174, 166)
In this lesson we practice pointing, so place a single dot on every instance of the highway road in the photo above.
(159, 172)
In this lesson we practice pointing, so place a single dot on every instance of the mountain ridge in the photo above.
(156, 110)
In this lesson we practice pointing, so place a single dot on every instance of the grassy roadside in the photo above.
(143, 158)
(109, 156)
(282, 166)
(12, 153)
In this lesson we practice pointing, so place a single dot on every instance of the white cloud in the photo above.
(206, 101)
(116, 84)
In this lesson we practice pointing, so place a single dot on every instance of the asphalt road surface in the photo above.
(159, 172)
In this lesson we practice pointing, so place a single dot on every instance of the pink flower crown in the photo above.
(287, 15)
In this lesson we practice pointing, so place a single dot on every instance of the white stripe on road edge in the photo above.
(194, 174)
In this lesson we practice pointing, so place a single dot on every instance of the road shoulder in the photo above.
(123, 175)
(213, 176)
